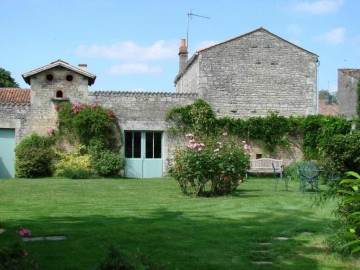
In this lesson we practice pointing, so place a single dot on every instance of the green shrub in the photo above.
(117, 259)
(16, 257)
(342, 152)
(107, 163)
(34, 156)
(103, 161)
(220, 164)
(318, 129)
(197, 117)
(74, 165)
(345, 236)
(292, 171)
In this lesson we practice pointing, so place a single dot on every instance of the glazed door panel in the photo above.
(7, 153)
(143, 153)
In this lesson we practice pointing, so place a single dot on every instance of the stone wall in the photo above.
(14, 116)
(189, 82)
(143, 111)
(254, 74)
(347, 94)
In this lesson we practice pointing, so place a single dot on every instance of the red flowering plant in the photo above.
(209, 166)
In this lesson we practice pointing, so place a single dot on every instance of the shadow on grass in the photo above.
(177, 240)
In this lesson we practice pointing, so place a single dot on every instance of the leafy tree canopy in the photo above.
(326, 95)
(6, 80)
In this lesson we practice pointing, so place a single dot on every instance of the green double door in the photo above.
(143, 153)
(7, 153)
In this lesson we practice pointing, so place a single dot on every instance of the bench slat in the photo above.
(264, 165)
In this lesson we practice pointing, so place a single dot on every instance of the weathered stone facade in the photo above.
(247, 76)
(348, 80)
(53, 83)
(253, 74)
(14, 116)
(143, 111)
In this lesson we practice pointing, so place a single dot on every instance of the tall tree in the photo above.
(6, 80)
(326, 95)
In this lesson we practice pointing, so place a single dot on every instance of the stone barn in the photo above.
(250, 75)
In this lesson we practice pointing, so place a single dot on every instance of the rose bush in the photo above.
(209, 166)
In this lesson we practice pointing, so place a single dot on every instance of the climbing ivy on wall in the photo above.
(88, 123)
(197, 117)
(273, 130)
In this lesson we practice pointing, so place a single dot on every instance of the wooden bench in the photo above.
(266, 165)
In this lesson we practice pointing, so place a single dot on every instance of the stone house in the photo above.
(249, 75)
(348, 80)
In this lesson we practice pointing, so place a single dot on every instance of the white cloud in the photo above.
(334, 36)
(130, 50)
(319, 6)
(134, 69)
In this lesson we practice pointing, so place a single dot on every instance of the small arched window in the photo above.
(59, 94)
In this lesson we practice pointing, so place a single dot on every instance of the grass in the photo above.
(177, 231)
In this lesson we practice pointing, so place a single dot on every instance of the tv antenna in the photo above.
(190, 15)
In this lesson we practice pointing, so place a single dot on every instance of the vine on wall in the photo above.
(89, 123)
(91, 130)
(273, 130)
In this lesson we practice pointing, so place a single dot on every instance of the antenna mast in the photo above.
(190, 15)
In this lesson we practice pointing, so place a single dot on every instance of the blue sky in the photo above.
(133, 45)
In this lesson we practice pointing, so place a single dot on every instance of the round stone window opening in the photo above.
(49, 77)
(69, 78)
(59, 94)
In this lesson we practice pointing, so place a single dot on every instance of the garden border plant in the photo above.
(217, 163)
(98, 130)
(345, 227)
(34, 156)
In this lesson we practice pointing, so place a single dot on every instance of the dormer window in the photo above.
(49, 77)
(59, 94)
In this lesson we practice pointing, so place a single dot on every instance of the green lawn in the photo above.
(179, 232)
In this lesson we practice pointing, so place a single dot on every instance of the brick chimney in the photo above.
(83, 67)
(183, 55)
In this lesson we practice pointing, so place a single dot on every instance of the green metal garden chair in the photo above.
(280, 176)
(309, 176)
